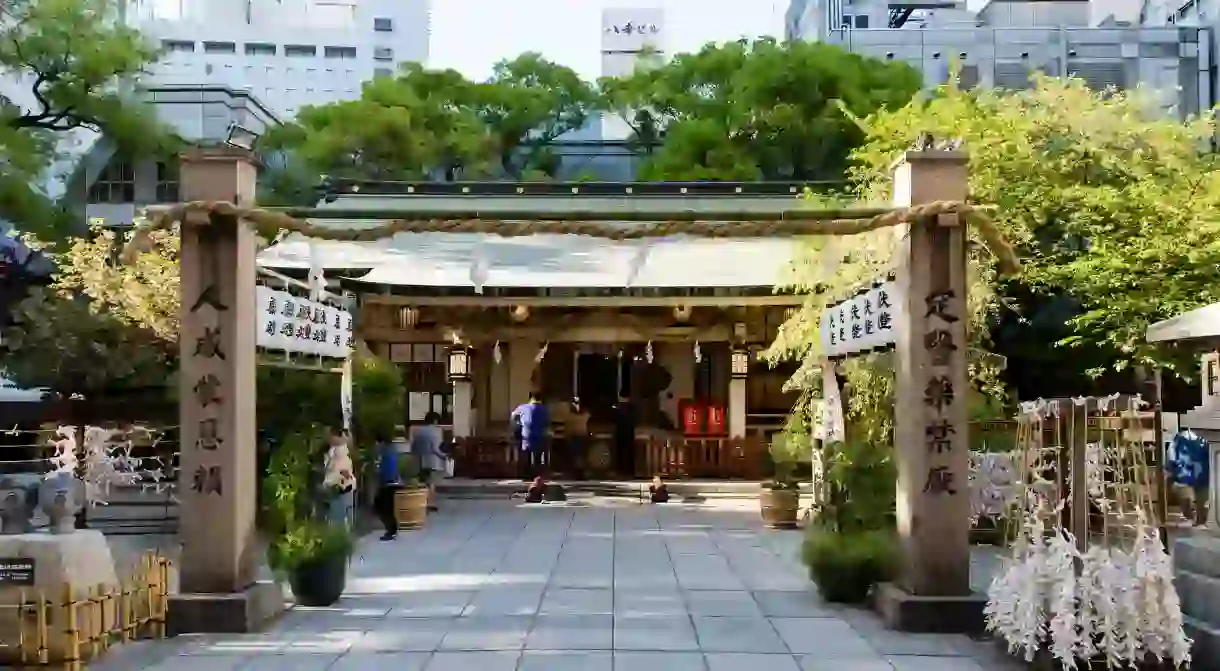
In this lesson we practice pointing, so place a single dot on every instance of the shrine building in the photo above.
(476, 322)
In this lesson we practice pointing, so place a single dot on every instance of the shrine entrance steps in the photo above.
(681, 490)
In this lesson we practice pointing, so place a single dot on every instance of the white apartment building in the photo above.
(286, 53)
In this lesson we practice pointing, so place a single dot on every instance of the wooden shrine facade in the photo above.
(680, 336)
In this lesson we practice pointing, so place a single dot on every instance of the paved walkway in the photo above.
(500, 586)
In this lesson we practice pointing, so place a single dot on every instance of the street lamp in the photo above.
(241, 137)
(459, 363)
(740, 363)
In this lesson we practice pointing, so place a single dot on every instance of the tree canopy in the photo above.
(1110, 202)
(436, 124)
(741, 110)
(755, 110)
(100, 326)
(75, 61)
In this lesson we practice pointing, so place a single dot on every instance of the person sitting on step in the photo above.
(657, 491)
(536, 491)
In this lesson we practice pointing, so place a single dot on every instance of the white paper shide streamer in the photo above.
(1121, 603)
(480, 268)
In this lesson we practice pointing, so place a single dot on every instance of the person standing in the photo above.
(388, 482)
(1188, 471)
(427, 444)
(339, 479)
(531, 422)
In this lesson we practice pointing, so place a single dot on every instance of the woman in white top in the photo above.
(339, 476)
(427, 445)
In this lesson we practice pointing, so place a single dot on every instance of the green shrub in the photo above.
(845, 566)
(306, 542)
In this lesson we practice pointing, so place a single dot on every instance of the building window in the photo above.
(425, 371)
(178, 46)
(383, 54)
(167, 182)
(219, 48)
(340, 52)
(260, 49)
(383, 24)
(116, 184)
(862, 21)
(299, 50)
(383, 72)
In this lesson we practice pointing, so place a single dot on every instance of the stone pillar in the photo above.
(217, 400)
(931, 387)
(463, 408)
(739, 371)
(737, 408)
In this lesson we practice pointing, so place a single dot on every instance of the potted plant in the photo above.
(313, 555)
(780, 498)
(303, 547)
(411, 500)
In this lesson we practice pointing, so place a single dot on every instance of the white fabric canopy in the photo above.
(558, 261)
(1203, 322)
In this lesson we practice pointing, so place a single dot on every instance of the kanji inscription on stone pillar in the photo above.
(217, 484)
(931, 430)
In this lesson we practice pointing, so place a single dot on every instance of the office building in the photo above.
(287, 53)
(1107, 43)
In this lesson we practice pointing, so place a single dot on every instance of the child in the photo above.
(657, 492)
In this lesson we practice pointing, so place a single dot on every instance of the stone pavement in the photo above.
(503, 586)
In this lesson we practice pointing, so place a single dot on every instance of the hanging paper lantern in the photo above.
(698, 353)
(648, 352)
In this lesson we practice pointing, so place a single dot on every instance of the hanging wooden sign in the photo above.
(862, 323)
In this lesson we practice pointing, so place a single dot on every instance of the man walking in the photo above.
(531, 422)
(1187, 467)
(388, 482)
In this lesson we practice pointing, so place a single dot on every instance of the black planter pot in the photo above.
(320, 582)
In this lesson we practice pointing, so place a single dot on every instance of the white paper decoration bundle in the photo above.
(1113, 600)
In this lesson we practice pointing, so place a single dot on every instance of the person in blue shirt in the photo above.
(388, 482)
(531, 423)
(1188, 470)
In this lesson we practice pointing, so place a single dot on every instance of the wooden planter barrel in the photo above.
(411, 507)
(779, 507)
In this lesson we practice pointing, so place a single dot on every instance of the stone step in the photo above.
(687, 489)
(1200, 596)
(1205, 653)
(1197, 553)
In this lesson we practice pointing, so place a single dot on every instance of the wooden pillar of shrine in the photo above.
(217, 469)
(932, 384)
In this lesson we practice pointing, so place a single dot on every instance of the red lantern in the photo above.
(692, 417)
(716, 420)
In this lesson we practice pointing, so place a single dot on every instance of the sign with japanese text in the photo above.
(632, 29)
(862, 323)
(17, 571)
(295, 324)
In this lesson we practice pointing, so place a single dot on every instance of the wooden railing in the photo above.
(673, 458)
